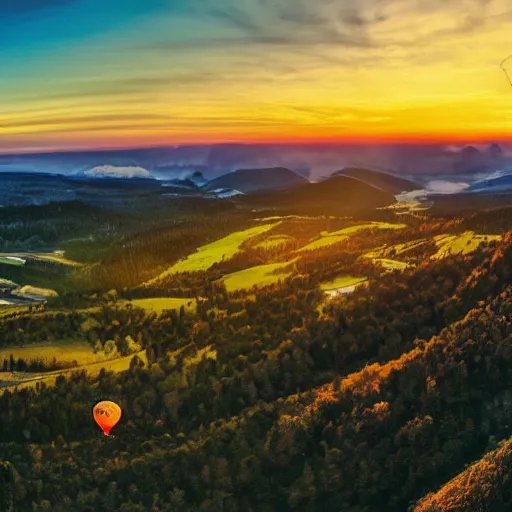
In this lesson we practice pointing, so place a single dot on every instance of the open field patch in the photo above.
(359, 227)
(30, 292)
(8, 282)
(207, 255)
(465, 243)
(389, 264)
(81, 352)
(295, 217)
(334, 237)
(325, 241)
(53, 257)
(408, 246)
(12, 260)
(8, 309)
(274, 241)
(118, 365)
(157, 305)
(396, 250)
(261, 275)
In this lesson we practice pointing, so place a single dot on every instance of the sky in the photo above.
(80, 74)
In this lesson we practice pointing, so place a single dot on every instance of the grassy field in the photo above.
(64, 352)
(391, 264)
(294, 217)
(208, 255)
(335, 237)
(115, 365)
(398, 249)
(325, 241)
(158, 305)
(12, 310)
(465, 243)
(359, 227)
(54, 257)
(261, 275)
(30, 291)
(274, 241)
(408, 246)
(11, 260)
(342, 282)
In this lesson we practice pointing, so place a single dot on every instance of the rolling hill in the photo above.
(334, 196)
(379, 179)
(254, 180)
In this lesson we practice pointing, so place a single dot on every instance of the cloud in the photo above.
(327, 29)
(81, 120)
(297, 22)
(103, 87)
(445, 187)
(111, 171)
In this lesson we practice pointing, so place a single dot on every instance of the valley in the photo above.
(250, 331)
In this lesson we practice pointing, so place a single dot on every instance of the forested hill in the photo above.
(378, 179)
(262, 402)
(484, 485)
(338, 195)
(253, 180)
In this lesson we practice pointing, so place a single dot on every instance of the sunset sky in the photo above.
(120, 73)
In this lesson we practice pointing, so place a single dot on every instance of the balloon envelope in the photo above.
(107, 415)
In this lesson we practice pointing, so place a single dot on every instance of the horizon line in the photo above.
(384, 141)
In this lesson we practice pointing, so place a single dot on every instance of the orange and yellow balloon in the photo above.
(107, 415)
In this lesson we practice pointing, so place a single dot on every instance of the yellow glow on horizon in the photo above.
(447, 87)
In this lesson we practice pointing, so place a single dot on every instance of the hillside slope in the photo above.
(254, 180)
(483, 486)
(379, 180)
(370, 441)
(336, 195)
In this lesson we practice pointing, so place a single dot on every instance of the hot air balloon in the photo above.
(107, 415)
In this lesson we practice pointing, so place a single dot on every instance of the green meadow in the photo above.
(207, 255)
(391, 264)
(261, 275)
(274, 241)
(157, 305)
(81, 352)
(7, 282)
(118, 365)
(11, 260)
(53, 257)
(330, 238)
(465, 243)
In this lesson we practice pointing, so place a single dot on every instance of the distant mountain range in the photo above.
(285, 192)
(311, 161)
(471, 160)
(474, 171)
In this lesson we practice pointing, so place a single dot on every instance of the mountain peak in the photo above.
(494, 151)
(469, 151)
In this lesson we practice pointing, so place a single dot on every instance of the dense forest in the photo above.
(273, 398)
